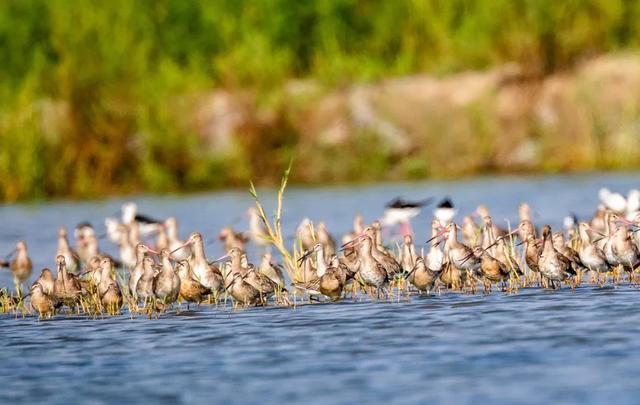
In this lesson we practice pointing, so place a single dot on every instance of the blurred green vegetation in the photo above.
(121, 71)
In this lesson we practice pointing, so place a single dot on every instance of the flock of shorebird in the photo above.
(154, 276)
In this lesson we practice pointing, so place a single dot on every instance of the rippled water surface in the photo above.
(535, 346)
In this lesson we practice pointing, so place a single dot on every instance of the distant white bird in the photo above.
(257, 231)
(614, 201)
(147, 225)
(113, 230)
(570, 222)
(400, 211)
(445, 212)
(633, 203)
(524, 212)
(84, 230)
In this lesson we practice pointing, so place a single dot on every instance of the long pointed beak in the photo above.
(351, 242)
(8, 255)
(226, 287)
(305, 256)
(627, 222)
(437, 235)
(221, 258)
(495, 243)
(180, 247)
(467, 257)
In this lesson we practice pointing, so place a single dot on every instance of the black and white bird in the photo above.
(146, 224)
(400, 212)
(83, 230)
(445, 211)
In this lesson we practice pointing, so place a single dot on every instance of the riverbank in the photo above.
(503, 120)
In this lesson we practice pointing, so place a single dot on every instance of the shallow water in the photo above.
(561, 346)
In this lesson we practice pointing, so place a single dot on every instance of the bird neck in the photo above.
(167, 268)
(548, 244)
(198, 251)
(321, 264)
(63, 244)
(172, 231)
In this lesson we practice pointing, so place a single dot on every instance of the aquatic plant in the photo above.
(274, 229)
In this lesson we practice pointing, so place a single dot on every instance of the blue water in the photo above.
(561, 346)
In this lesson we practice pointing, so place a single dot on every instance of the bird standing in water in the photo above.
(166, 285)
(21, 266)
(67, 287)
(422, 277)
(552, 264)
(205, 273)
(371, 271)
(624, 250)
(380, 253)
(491, 269)
(44, 303)
(591, 256)
(329, 280)
(138, 270)
(459, 255)
(70, 256)
(242, 292)
(144, 286)
(190, 289)
(108, 289)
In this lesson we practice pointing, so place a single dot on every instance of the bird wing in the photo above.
(145, 219)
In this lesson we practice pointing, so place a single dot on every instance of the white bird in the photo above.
(614, 201)
(83, 230)
(633, 204)
(445, 212)
(400, 211)
(435, 257)
(570, 222)
(113, 230)
(147, 225)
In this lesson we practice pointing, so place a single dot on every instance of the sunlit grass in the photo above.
(273, 227)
